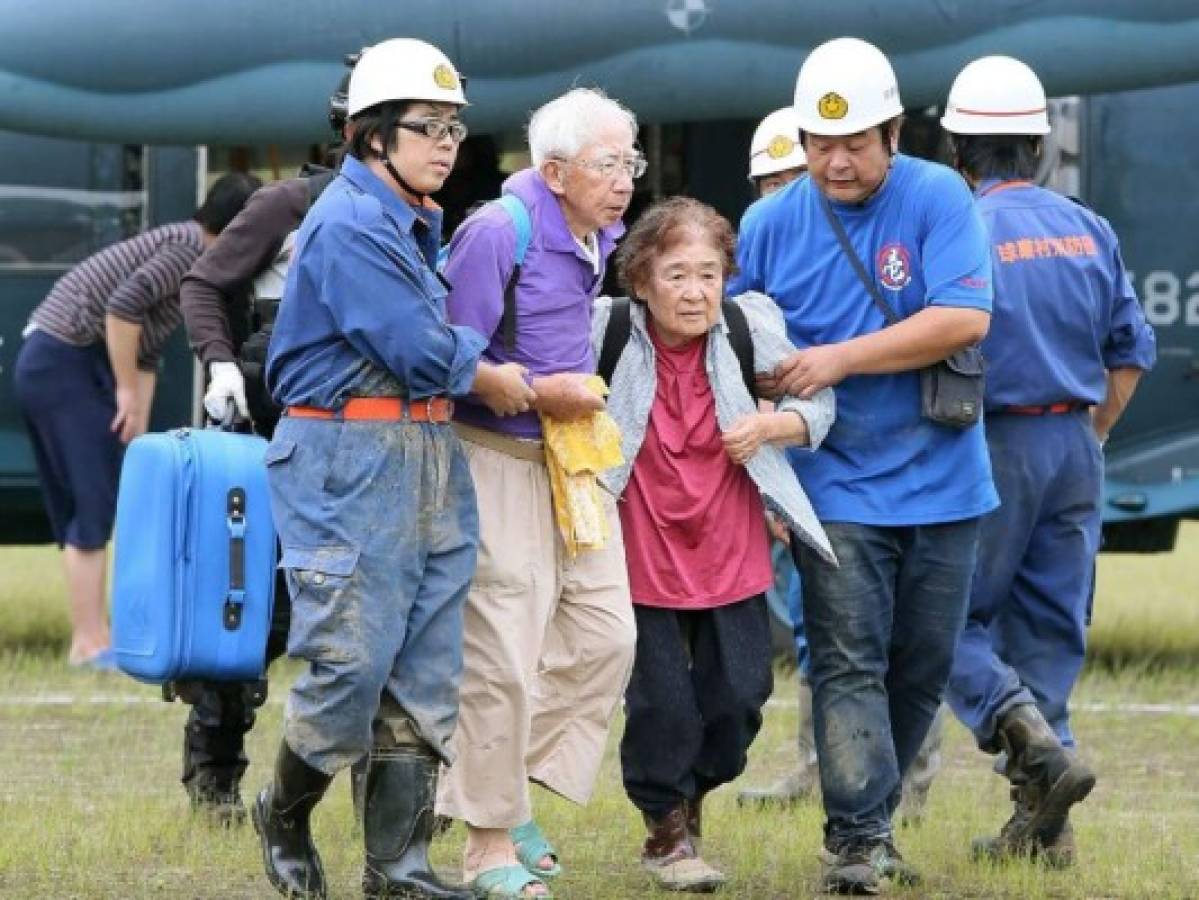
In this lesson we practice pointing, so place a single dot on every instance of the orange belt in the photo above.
(1052, 409)
(382, 409)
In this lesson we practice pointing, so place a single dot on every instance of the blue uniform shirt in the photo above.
(363, 312)
(920, 236)
(1065, 310)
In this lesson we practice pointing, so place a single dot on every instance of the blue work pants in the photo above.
(1025, 634)
(881, 630)
(379, 530)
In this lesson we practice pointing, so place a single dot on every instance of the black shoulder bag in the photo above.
(951, 391)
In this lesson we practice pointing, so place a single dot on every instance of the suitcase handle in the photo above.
(235, 602)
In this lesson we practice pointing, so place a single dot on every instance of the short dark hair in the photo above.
(660, 228)
(376, 121)
(996, 155)
(224, 201)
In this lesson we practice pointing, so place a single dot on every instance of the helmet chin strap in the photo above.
(399, 179)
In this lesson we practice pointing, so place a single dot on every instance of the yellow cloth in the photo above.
(575, 453)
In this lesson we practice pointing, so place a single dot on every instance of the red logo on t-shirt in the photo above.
(894, 267)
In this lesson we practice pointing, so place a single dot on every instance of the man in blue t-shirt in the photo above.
(1066, 348)
(900, 495)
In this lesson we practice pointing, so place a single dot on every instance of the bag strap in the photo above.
(856, 261)
(616, 336)
(519, 215)
(742, 341)
(620, 327)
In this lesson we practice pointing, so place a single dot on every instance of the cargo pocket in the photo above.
(278, 451)
(326, 606)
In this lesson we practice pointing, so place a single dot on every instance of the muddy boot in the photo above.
(280, 816)
(1059, 852)
(214, 758)
(1047, 780)
(669, 855)
(216, 796)
(1056, 851)
(864, 868)
(801, 783)
(401, 784)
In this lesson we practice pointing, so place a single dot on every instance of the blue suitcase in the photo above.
(193, 571)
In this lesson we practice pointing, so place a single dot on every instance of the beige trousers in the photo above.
(547, 650)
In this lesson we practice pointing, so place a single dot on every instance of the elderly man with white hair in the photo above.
(549, 637)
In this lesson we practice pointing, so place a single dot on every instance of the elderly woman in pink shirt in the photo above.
(703, 465)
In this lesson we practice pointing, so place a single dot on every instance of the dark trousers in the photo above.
(694, 701)
(1025, 634)
(882, 628)
(67, 396)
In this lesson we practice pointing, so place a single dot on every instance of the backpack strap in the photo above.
(742, 341)
(524, 233)
(616, 335)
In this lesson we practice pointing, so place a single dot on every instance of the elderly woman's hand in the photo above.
(744, 439)
(566, 396)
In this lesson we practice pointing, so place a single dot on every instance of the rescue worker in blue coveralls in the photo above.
(370, 489)
(229, 298)
(900, 494)
(1067, 345)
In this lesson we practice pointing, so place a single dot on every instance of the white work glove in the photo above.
(225, 386)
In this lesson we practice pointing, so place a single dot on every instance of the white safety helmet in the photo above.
(776, 147)
(845, 86)
(403, 69)
(996, 95)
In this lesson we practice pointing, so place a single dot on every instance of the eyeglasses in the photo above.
(436, 129)
(633, 166)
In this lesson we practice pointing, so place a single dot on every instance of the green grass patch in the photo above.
(91, 806)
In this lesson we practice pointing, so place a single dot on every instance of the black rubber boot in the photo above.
(401, 784)
(280, 817)
(1047, 779)
(214, 757)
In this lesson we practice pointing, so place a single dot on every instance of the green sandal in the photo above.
(506, 883)
(531, 846)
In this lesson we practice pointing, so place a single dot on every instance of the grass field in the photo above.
(90, 805)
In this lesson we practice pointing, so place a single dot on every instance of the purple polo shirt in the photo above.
(553, 297)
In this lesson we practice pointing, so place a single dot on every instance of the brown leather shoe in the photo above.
(669, 855)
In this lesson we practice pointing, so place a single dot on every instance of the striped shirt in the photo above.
(136, 280)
